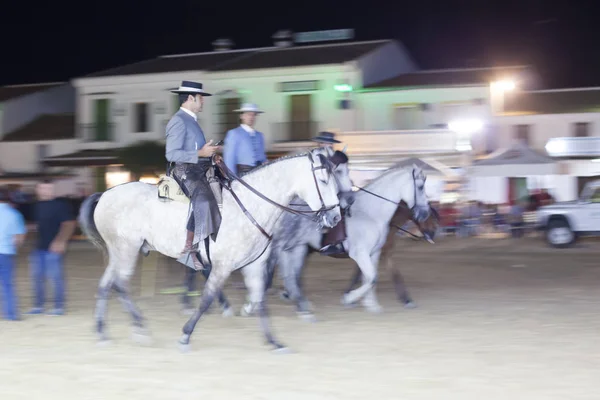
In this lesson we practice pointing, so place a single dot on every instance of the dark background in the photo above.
(46, 41)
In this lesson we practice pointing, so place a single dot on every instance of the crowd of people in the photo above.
(54, 221)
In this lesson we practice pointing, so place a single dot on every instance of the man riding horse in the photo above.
(332, 242)
(189, 157)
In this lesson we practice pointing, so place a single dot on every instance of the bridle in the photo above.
(313, 215)
(400, 203)
(228, 176)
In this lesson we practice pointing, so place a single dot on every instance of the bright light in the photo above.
(117, 178)
(466, 126)
(555, 146)
(504, 85)
(343, 88)
(596, 160)
(149, 179)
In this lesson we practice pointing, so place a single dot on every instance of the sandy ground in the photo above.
(496, 319)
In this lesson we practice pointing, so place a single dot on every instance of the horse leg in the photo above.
(189, 282)
(213, 285)
(255, 277)
(225, 306)
(106, 284)
(369, 272)
(127, 261)
(355, 279)
(370, 301)
(399, 285)
(401, 290)
(295, 260)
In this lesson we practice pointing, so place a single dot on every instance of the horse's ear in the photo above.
(344, 149)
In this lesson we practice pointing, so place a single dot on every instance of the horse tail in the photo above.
(87, 223)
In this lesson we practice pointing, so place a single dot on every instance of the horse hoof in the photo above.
(246, 310)
(410, 305)
(281, 350)
(284, 295)
(346, 301)
(227, 312)
(375, 309)
(307, 316)
(184, 348)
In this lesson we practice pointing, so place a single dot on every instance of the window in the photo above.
(101, 127)
(581, 129)
(142, 117)
(42, 150)
(522, 133)
(407, 118)
(229, 118)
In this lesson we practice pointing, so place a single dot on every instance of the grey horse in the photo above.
(367, 231)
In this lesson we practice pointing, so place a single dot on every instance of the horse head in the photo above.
(414, 194)
(339, 161)
(320, 188)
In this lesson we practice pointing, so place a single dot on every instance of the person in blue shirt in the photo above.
(244, 146)
(12, 235)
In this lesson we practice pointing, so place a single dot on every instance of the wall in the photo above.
(22, 110)
(23, 156)
(544, 127)
(259, 87)
(378, 106)
(124, 92)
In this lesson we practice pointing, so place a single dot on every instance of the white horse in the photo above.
(367, 229)
(129, 217)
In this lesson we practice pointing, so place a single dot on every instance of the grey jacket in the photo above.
(184, 138)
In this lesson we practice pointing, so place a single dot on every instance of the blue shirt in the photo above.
(243, 148)
(11, 223)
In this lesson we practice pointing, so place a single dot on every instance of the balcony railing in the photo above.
(405, 142)
(294, 131)
(97, 132)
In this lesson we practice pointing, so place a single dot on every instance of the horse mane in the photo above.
(387, 172)
(275, 161)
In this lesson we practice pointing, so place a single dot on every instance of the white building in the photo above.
(564, 124)
(36, 121)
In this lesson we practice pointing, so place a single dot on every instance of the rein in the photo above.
(227, 173)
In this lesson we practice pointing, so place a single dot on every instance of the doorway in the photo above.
(301, 126)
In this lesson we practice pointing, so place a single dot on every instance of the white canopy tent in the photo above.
(489, 175)
(437, 173)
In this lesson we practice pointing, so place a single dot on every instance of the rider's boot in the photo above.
(332, 249)
(192, 250)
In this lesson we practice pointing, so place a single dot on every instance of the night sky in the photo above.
(52, 41)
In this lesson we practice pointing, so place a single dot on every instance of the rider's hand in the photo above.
(208, 150)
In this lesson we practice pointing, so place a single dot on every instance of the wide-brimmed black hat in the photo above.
(325, 137)
(189, 87)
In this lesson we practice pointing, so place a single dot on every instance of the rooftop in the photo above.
(450, 77)
(266, 57)
(45, 127)
(14, 91)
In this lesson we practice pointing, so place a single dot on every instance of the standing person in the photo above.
(55, 226)
(12, 235)
(189, 157)
(245, 146)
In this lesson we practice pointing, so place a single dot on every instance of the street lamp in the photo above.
(497, 92)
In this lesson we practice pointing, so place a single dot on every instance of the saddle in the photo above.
(170, 190)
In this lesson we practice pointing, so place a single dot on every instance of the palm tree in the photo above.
(143, 158)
